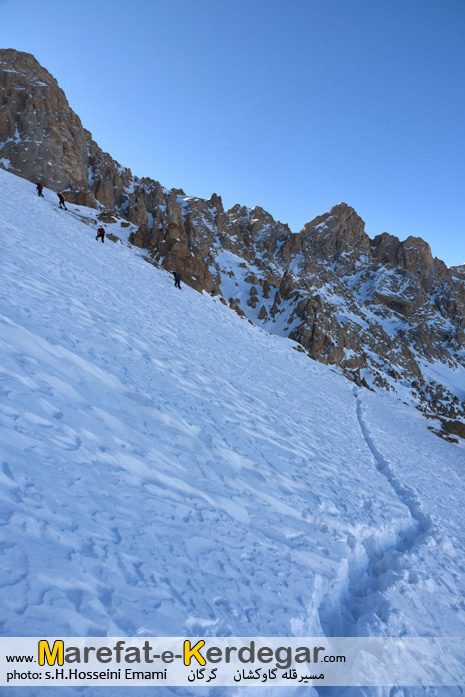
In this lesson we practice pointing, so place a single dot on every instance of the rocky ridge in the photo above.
(384, 312)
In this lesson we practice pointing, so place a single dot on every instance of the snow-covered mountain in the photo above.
(168, 468)
(382, 312)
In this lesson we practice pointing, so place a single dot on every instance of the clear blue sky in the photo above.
(293, 105)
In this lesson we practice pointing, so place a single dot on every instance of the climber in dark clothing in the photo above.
(39, 188)
(101, 233)
(177, 280)
(62, 198)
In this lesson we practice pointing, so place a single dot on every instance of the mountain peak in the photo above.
(338, 232)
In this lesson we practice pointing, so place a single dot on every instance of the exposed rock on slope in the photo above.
(384, 312)
(41, 138)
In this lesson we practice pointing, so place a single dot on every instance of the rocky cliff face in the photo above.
(41, 138)
(384, 312)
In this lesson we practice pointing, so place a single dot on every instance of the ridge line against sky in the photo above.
(293, 107)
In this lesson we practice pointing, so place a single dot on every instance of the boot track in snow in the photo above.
(378, 564)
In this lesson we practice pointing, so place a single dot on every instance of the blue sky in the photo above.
(291, 105)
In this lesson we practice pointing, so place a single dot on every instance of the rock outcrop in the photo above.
(42, 139)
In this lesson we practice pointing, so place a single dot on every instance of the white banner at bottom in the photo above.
(228, 661)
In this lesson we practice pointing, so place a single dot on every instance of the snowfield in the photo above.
(168, 469)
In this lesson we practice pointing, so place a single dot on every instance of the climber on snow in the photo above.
(62, 198)
(177, 280)
(101, 233)
(39, 188)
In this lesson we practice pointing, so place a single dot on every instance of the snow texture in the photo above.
(168, 469)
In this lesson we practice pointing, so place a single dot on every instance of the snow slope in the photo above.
(167, 468)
